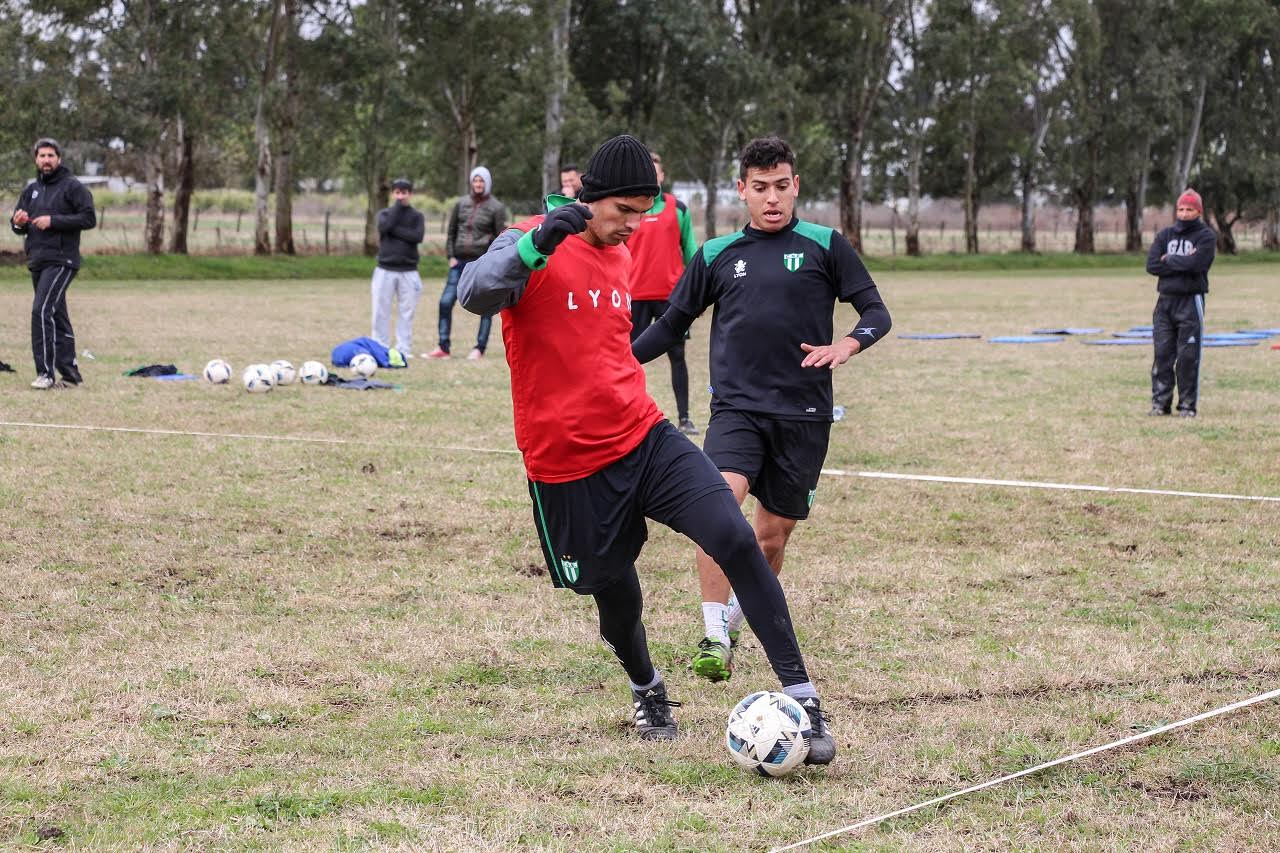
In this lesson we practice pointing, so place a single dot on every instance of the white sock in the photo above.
(714, 617)
(736, 618)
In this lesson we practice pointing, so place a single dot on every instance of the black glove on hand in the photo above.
(559, 224)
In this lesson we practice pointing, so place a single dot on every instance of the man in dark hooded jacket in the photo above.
(50, 214)
(1180, 256)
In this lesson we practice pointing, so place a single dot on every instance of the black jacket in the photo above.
(400, 230)
(70, 205)
(1187, 249)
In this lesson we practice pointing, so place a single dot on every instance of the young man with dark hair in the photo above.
(51, 213)
(1180, 257)
(774, 285)
(660, 248)
(570, 180)
(599, 456)
(400, 230)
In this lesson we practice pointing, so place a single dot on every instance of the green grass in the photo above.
(242, 644)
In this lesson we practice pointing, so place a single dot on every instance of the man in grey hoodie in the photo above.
(476, 220)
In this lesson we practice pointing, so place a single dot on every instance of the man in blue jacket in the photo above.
(1180, 256)
(50, 214)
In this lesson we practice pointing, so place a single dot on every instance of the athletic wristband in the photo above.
(529, 254)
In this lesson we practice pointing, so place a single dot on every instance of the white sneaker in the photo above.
(42, 382)
(475, 355)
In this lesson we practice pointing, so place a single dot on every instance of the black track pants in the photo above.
(643, 313)
(621, 605)
(53, 343)
(1177, 331)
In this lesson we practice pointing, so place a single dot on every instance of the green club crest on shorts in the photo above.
(813, 493)
(570, 569)
(793, 261)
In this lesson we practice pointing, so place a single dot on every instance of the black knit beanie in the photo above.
(622, 167)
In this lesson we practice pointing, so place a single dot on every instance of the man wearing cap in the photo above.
(474, 223)
(400, 230)
(660, 248)
(1180, 257)
(599, 456)
(51, 213)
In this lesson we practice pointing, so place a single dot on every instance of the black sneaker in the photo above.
(654, 719)
(1158, 411)
(822, 746)
(686, 426)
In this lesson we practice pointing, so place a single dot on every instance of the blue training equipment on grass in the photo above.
(1027, 339)
(1141, 328)
(1253, 342)
(1235, 336)
(347, 350)
(1133, 333)
(939, 336)
(1268, 332)
(1117, 342)
(176, 377)
(1068, 330)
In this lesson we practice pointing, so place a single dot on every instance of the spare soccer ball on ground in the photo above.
(258, 378)
(218, 372)
(767, 732)
(283, 372)
(364, 365)
(313, 373)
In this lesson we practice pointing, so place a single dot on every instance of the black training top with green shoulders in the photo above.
(772, 291)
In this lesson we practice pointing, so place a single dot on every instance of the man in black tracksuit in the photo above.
(51, 213)
(1181, 256)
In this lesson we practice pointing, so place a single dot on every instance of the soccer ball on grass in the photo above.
(767, 733)
(217, 372)
(283, 371)
(364, 365)
(258, 378)
(313, 373)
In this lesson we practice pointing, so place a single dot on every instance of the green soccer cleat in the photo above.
(714, 660)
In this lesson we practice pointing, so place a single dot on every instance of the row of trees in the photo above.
(1079, 101)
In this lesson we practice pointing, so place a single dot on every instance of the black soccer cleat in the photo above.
(654, 720)
(822, 746)
(1158, 411)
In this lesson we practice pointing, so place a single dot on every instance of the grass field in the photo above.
(244, 643)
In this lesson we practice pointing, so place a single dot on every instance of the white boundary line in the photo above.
(298, 438)
(1235, 706)
(1032, 484)
(831, 472)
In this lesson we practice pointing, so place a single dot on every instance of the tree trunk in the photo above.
(1086, 193)
(1226, 239)
(287, 122)
(377, 198)
(1135, 201)
(557, 89)
(153, 168)
(851, 190)
(914, 155)
(1028, 174)
(261, 135)
(1271, 230)
(1193, 132)
(183, 191)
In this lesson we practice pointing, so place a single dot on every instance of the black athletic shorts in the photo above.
(781, 459)
(592, 529)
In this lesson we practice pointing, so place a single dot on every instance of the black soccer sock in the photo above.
(714, 521)
(620, 605)
(679, 380)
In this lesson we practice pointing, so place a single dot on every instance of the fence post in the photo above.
(195, 225)
(326, 231)
(239, 216)
(102, 218)
(217, 237)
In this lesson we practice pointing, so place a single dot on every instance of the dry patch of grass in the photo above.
(216, 644)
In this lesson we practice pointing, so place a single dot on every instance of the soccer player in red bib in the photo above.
(660, 248)
(600, 457)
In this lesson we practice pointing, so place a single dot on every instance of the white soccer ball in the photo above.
(313, 373)
(218, 372)
(258, 378)
(364, 365)
(283, 372)
(766, 733)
